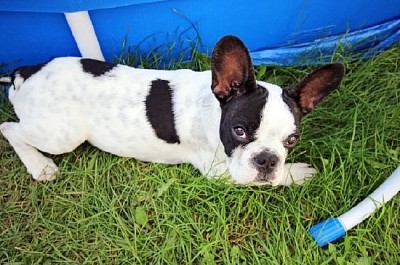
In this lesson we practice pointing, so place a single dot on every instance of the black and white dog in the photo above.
(221, 121)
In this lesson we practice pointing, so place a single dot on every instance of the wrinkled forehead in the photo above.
(247, 108)
(278, 117)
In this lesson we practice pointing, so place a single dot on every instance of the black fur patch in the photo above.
(244, 111)
(159, 111)
(95, 67)
(26, 71)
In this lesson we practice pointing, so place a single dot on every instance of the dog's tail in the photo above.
(5, 80)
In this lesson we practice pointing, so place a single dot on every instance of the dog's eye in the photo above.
(240, 133)
(291, 140)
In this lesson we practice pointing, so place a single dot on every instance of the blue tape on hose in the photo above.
(327, 231)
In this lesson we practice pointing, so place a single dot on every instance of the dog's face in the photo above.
(260, 122)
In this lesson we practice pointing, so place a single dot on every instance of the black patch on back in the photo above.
(95, 67)
(26, 71)
(159, 111)
(244, 111)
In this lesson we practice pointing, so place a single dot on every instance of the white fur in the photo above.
(61, 106)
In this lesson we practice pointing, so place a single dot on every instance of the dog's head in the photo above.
(260, 122)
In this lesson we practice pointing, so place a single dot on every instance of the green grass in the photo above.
(104, 209)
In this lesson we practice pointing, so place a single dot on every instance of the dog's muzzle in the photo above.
(266, 164)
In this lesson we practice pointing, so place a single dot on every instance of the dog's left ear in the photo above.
(316, 86)
(232, 70)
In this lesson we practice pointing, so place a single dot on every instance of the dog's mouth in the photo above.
(263, 177)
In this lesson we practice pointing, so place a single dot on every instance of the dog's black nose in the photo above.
(266, 162)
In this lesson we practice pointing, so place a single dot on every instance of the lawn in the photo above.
(104, 209)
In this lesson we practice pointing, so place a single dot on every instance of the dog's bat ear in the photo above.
(232, 70)
(317, 85)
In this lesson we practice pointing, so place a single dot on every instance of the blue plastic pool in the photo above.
(276, 32)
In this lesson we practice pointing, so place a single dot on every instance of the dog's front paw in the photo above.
(45, 171)
(297, 173)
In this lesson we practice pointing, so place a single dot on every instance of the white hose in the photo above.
(333, 228)
(384, 193)
(84, 34)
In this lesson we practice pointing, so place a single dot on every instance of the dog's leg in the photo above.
(296, 173)
(41, 167)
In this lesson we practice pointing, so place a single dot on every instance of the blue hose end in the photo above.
(327, 231)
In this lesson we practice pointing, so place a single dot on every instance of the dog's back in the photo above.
(146, 114)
